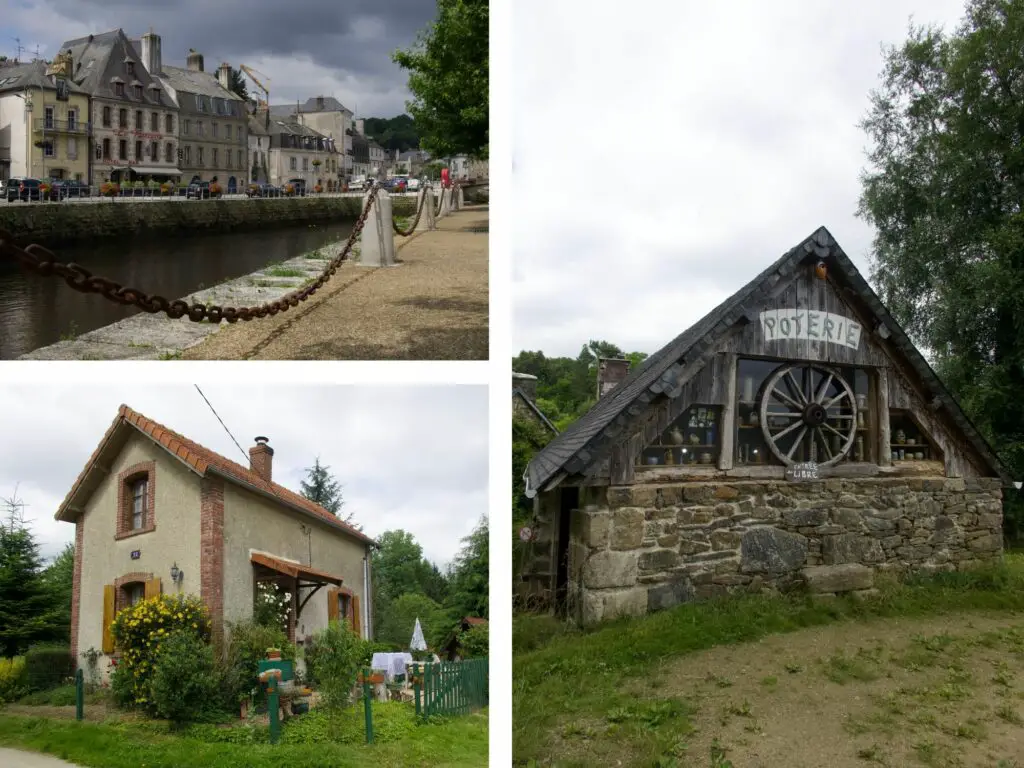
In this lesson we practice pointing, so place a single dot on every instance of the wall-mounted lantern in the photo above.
(177, 575)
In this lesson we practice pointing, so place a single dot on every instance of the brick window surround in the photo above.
(121, 583)
(143, 471)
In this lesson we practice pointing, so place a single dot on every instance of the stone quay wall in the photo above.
(56, 224)
(651, 547)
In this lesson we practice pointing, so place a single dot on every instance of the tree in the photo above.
(396, 625)
(470, 574)
(945, 192)
(449, 80)
(25, 607)
(237, 84)
(393, 133)
(322, 488)
(58, 580)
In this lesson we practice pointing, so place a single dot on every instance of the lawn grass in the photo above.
(308, 741)
(571, 686)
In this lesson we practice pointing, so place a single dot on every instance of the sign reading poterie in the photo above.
(810, 325)
(803, 472)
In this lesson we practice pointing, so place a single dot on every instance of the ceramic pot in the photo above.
(901, 436)
(705, 458)
(694, 440)
(919, 456)
(675, 436)
(652, 461)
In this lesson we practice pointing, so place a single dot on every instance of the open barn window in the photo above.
(790, 412)
(909, 442)
(693, 438)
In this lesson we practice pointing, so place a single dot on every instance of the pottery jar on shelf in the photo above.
(705, 458)
(675, 436)
(901, 436)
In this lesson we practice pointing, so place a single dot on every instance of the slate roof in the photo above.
(200, 460)
(31, 75)
(589, 437)
(201, 83)
(97, 59)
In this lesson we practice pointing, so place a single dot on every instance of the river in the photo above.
(38, 311)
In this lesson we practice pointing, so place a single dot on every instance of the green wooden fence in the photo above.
(449, 688)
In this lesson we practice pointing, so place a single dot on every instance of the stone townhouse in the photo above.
(298, 152)
(44, 121)
(328, 117)
(378, 160)
(792, 436)
(156, 512)
(259, 148)
(213, 121)
(134, 121)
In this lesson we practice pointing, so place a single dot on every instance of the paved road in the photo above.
(14, 758)
(434, 306)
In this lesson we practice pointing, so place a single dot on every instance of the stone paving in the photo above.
(15, 758)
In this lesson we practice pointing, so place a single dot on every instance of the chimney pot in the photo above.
(261, 458)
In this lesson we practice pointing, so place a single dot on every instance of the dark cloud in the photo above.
(348, 44)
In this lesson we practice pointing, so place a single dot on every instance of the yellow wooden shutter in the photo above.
(355, 614)
(108, 618)
(332, 604)
(153, 588)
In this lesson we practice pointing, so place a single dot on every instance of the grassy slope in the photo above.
(458, 742)
(565, 683)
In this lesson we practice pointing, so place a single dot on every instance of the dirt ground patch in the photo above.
(432, 307)
(934, 692)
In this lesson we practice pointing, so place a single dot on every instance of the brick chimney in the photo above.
(224, 76)
(610, 373)
(526, 384)
(261, 459)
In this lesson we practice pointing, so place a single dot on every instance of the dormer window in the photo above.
(119, 90)
(138, 91)
(129, 67)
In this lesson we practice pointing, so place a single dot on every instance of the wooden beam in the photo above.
(882, 416)
(727, 429)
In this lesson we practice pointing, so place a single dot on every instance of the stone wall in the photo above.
(649, 547)
(55, 224)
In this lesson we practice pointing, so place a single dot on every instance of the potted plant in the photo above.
(289, 189)
(316, 163)
(165, 188)
(216, 190)
(273, 654)
(44, 191)
(109, 189)
(318, 189)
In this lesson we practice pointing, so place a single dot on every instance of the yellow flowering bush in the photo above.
(139, 631)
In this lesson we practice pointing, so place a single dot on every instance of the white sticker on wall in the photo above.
(810, 325)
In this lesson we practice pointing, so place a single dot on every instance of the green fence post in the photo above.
(368, 704)
(79, 695)
(417, 687)
(273, 710)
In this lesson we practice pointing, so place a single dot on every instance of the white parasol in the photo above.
(418, 643)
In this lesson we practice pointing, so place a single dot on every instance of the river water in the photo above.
(38, 311)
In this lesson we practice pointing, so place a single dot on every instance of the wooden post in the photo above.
(727, 429)
(882, 419)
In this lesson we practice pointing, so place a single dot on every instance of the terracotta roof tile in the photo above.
(203, 459)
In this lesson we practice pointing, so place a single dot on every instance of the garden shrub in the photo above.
(139, 631)
(13, 683)
(333, 662)
(48, 666)
(247, 646)
(184, 682)
(474, 642)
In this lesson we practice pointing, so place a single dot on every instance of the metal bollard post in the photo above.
(273, 710)
(368, 704)
(79, 695)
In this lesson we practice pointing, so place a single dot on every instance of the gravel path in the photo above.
(434, 306)
(15, 758)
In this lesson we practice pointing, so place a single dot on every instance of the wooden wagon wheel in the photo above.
(794, 404)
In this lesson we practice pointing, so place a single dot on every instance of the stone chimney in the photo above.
(610, 373)
(151, 57)
(194, 61)
(261, 459)
(526, 384)
(224, 76)
(361, 127)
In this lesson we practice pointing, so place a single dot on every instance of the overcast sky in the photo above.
(666, 154)
(408, 457)
(306, 47)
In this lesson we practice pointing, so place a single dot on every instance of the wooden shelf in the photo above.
(673, 447)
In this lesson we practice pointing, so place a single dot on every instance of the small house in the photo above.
(794, 435)
(155, 512)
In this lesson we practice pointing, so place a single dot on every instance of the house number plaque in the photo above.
(136, 554)
(797, 473)
(810, 325)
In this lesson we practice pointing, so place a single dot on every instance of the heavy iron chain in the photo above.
(42, 262)
(416, 220)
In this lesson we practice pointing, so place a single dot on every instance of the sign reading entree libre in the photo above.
(810, 325)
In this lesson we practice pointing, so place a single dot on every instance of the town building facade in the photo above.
(134, 121)
(298, 152)
(328, 117)
(213, 121)
(155, 512)
(259, 148)
(794, 436)
(44, 121)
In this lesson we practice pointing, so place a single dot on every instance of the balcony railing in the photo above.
(62, 126)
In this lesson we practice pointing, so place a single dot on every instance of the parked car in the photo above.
(299, 185)
(358, 184)
(22, 189)
(414, 185)
(263, 189)
(62, 189)
(198, 190)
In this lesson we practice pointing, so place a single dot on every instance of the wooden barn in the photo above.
(794, 435)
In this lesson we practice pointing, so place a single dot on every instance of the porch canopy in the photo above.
(299, 576)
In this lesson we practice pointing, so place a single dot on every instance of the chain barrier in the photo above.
(416, 219)
(42, 262)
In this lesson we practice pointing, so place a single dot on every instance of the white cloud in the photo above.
(408, 457)
(665, 156)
